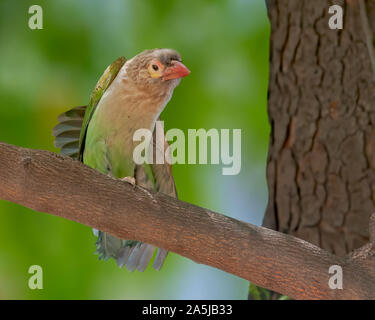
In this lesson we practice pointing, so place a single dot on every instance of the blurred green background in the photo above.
(45, 72)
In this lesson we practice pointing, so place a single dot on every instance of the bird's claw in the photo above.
(130, 180)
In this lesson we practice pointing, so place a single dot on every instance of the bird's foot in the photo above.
(130, 180)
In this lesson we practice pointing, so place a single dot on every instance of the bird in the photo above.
(130, 95)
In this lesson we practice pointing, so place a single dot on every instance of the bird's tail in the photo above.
(132, 254)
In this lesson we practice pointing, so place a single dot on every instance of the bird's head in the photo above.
(157, 69)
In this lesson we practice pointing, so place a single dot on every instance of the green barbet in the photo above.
(130, 95)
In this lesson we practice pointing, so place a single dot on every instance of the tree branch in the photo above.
(47, 182)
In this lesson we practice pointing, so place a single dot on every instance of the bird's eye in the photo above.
(155, 69)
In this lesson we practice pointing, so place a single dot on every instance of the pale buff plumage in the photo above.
(130, 103)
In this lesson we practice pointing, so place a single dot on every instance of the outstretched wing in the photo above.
(70, 133)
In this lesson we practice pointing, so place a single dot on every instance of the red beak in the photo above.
(176, 71)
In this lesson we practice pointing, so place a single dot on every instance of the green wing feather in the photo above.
(104, 82)
(70, 133)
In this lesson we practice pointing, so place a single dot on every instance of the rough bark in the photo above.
(46, 182)
(321, 163)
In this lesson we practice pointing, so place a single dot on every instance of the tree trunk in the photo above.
(321, 106)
